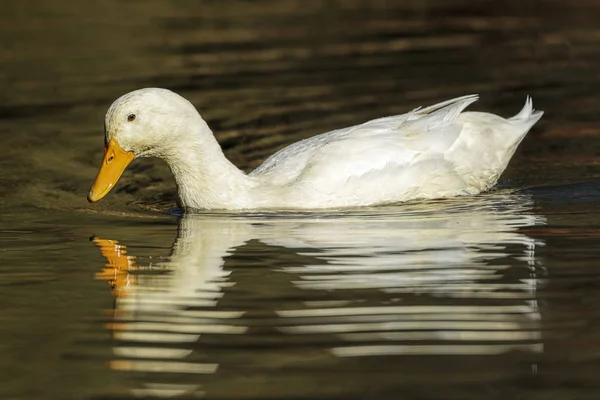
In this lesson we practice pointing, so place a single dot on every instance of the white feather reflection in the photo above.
(451, 277)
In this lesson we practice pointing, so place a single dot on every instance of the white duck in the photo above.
(434, 152)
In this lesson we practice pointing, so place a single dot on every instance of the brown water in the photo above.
(491, 297)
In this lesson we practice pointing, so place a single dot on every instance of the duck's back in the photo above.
(431, 152)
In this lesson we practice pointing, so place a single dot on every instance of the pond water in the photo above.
(492, 296)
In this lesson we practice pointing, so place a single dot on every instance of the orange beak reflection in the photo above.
(114, 163)
(117, 271)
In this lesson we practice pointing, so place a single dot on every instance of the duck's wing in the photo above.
(374, 145)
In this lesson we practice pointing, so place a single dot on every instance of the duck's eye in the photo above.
(131, 117)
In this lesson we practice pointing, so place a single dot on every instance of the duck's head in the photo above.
(143, 123)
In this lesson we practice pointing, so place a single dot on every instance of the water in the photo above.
(492, 296)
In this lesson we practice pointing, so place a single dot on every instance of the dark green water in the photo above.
(489, 297)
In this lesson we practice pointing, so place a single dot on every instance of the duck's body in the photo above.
(435, 152)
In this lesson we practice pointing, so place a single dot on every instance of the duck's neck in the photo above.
(205, 178)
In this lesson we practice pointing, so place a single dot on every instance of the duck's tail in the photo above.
(527, 116)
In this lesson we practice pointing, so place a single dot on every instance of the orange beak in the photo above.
(114, 163)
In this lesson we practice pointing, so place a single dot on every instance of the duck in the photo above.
(439, 151)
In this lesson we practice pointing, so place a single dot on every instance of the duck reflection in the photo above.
(455, 277)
